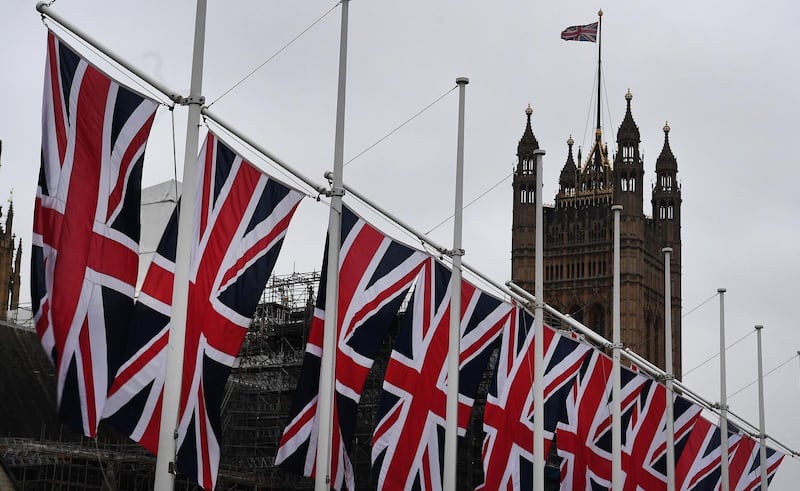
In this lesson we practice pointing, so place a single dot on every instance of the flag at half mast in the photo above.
(581, 33)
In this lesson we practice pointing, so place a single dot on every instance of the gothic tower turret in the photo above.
(578, 237)
(666, 203)
(568, 180)
(666, 198)
(524, 217)
(14, 283)
(628, 165)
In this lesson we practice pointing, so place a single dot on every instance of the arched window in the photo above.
(627, 154)
(527, 166)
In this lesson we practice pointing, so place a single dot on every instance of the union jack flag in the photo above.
(580, 33)
(584, 440)
(242, 216)
(644, 450)
(508, 415)
(745, 464)
(406, 442)
(375, 274)
(700, 464)
(86, 227)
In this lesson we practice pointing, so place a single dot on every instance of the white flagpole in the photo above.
(723, 397)
(669, 375)
(616, 417)
(168, 432)
(322, 476)
(454, 346)
(762, 433)
(538, 334)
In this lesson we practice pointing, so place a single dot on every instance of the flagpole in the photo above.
(322, 476)
(168, 431)
(668, 376)
(538, 335)
(599, 69)
(762, 435)
(723, 397)
(616, 417)
(454, 346)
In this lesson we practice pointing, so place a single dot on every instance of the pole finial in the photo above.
(759, 327)
(721, 290)
(600, 13)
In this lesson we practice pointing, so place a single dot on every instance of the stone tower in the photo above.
(10, 259)
(578, 237)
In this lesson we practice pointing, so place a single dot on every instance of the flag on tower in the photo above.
(587, 32)
(86, 227)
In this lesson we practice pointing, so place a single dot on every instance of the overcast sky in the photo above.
(722, 73)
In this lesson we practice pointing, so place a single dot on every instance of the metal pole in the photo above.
(454, 345)
(669, 369)
(168, 432)
(723, 396)
(599, 69)
(322, 476)
(44, 9)
(538, 335)
(616, 417)
(762, 435)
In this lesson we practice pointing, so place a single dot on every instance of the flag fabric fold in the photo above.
(586, 32)
(86, 227)
(407, 444)
(242, 216)
(375, 274)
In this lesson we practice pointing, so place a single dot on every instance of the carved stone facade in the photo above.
(578, 238)
(10, 259)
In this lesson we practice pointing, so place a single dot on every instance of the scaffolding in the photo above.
(261, 386)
